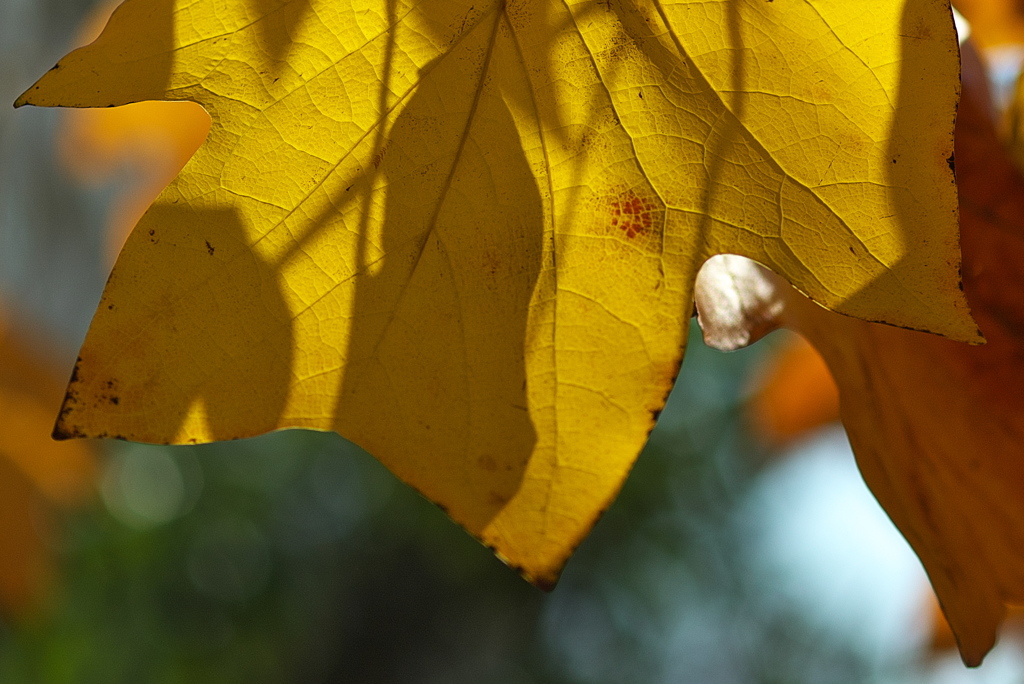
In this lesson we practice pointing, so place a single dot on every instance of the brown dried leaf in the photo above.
(937, 426)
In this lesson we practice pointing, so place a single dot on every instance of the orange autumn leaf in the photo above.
(938, 427)
(942, 638)
(37, 474)
(796, 395)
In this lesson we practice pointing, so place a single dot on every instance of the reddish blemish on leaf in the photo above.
(632, 214)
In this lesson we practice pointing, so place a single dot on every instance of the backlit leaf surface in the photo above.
(465, 234)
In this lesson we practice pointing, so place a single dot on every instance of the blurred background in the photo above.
(744, 547)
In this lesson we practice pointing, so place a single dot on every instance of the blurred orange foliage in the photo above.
(796, 395)
(993, 22)
(37, 474)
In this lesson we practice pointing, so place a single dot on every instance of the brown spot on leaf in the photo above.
(632, 214)
(209, 247)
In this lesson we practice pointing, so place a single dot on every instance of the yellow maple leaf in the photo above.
(464, 234)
